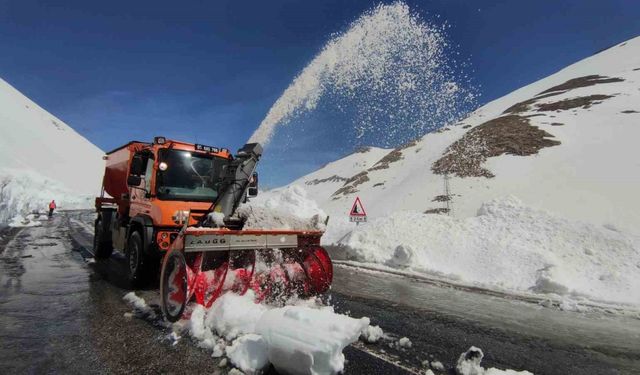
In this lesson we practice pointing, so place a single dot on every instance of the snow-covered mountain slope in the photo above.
(322, 183)
(42, 158)
(564, 144)
(541, 186)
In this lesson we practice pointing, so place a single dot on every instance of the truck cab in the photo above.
(150, 191)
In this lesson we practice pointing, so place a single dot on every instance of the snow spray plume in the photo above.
(392, 67)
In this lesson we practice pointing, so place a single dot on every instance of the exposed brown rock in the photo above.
(585, 81)
(389, 158)
(511, 134)
(345, 190)
(334, 178)
(571, 84)
(441, 198)
(349, 186)
(584, 101)
(520, 107)
(358, 179)
(437, 211)
(408, 144)
(392, 157)
(526, 105)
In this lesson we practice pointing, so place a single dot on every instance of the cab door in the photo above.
(141, 194)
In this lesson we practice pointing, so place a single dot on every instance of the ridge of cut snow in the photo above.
(42, 159)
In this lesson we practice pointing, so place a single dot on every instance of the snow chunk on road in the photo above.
(469, 364)
(507, 246)
(23, 222)
(232, 315)
(248, 353)
(199, 330)
(437, 365)
(139, 304)
(404, 342)
(300, 339)
(372, 334)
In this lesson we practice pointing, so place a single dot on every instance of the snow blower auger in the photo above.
(216, 255)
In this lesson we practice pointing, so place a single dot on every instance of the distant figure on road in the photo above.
(52, 206)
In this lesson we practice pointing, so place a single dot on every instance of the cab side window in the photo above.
(148, 174)
(141, 170)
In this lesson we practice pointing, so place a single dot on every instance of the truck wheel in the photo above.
(102, 246)
(174, 290)
(136, 260)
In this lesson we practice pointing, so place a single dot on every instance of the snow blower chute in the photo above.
(217, 255)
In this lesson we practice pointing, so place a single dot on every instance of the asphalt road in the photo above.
(60, 314)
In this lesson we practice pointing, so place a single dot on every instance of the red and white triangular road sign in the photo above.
(357, 209)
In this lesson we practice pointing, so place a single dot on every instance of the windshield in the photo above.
(188, 175)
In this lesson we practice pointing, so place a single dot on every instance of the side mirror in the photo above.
(134, 180)
(253, 185)
(137, 165)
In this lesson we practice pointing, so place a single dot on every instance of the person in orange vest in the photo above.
(52, 206)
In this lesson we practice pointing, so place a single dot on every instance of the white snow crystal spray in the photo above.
(391, 69)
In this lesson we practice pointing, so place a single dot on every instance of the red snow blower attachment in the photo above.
(216, 255)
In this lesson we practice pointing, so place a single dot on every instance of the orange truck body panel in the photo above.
(116, 170)
(133, 201)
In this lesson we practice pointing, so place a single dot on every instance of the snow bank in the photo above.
(507, 246)
(35, 140)
(287, 208)
(306, 338)
(26, 221)
(469, 364)
(22, 192)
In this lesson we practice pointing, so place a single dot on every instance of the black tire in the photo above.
(173, 262)
(102, 246)
(137, 263)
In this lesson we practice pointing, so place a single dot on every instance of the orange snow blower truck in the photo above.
(173, 204)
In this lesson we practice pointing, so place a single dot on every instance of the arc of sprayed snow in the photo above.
(364, 55)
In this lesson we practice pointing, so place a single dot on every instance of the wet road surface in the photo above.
(444, 323)
(59, 314)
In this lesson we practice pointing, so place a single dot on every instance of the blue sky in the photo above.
(208, 71)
